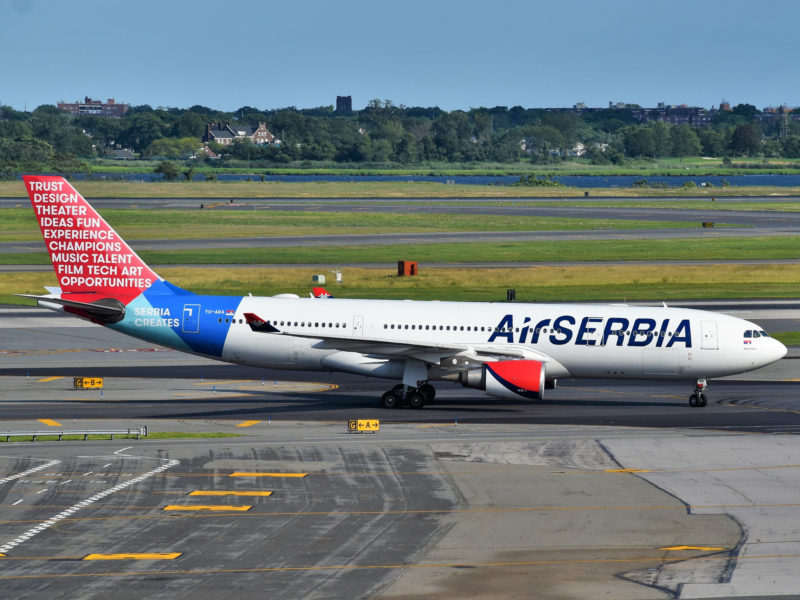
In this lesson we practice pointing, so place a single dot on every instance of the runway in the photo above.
(612, 487)
(729, 223)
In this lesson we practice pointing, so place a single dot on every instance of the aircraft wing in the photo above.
(447, 355)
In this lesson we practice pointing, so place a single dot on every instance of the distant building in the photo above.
(681, 115)
(111, 108)
(225, 134)
(344, 105)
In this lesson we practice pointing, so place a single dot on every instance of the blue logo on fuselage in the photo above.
(592, 332)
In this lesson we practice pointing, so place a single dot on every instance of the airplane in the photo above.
(509, 350)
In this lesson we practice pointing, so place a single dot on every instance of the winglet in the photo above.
(258, 324)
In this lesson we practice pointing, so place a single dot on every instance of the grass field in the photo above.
(380, 189)
(639, 167)
(548, 283)
(757, 248)
(19, 224)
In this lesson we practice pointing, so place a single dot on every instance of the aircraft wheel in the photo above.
(389, 400)
(416, 399)
(694, 400)
(427, 390)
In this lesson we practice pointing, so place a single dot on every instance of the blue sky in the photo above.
(463, 54)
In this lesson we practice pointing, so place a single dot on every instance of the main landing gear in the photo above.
(698, 398)
(417, 397)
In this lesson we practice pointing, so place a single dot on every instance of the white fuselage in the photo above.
(573, 340)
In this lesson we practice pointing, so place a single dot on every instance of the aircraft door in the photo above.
(358, 325)
(191, 318)
(709, 331)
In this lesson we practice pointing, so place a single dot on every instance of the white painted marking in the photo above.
(17, 502)
(168, 464)
(52, 463)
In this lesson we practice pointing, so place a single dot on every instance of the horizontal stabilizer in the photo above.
(106, 310)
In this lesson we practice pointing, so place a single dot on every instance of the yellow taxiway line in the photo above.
(247, 474)
(209, 507)
(703, 548)
(134, 556)
(226, 493)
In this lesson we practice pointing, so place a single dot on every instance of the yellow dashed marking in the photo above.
(248, 423)
(49, 422)
(404, 566)
(705, 548)
(211, 507)
(626, 471)
(145, 556)
(243, 474)
(225, 493)
(45, 379)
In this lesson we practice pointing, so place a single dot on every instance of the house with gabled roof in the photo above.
(225, 134)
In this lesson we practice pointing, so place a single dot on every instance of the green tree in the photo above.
(143, 129)
(168, 169)
(662, 140)
(714, 142)
(15, 129)
(746, 140)
(639, 140)
(189, 124)
(684, 141)
(542, 141)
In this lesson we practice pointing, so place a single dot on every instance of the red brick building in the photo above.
(95, 107)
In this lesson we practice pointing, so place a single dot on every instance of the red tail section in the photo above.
(88, 255)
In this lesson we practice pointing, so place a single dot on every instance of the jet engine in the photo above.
(513, 379)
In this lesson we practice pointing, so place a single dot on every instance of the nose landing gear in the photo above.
(698, 398)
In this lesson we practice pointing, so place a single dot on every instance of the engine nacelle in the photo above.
(513, 379)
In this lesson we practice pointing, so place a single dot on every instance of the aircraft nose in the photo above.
(780, 349)
(776, 350)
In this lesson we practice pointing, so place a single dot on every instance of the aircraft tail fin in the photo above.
(91, 260)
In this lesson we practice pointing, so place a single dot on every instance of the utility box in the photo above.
(318, 279)
(406, 267)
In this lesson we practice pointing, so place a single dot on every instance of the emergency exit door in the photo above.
(709, 332)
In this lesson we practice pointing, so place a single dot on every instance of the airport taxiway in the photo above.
(605, 488)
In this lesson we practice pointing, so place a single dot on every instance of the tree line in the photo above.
(386, 133)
